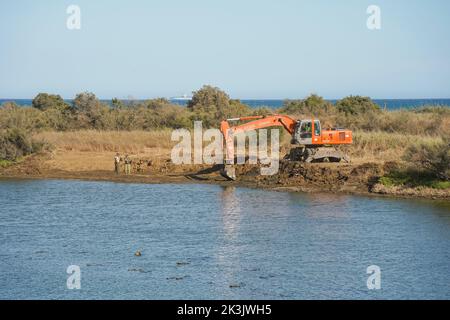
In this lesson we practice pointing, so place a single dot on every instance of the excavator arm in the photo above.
(258, 122)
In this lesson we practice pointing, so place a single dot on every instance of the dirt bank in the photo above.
(353, 178)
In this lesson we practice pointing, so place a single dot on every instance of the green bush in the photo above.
(357, 105)
(413, 178)
(16, 143)
(313, 105)
(209, 100)
(90, 112)
(45, 101)
(212, 105)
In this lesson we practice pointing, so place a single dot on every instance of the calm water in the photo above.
(390, 104)
(274, 245)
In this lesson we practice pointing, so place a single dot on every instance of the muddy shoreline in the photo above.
(184, 179)
(353, 179)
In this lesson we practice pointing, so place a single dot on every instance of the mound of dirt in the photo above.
(317, 176)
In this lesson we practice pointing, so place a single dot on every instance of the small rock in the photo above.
(175, 278)
(137, 270)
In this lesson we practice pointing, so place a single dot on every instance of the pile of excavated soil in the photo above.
(316, 176)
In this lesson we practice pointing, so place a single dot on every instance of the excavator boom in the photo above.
(258, 122)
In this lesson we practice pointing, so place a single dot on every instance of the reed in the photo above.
(107, 141)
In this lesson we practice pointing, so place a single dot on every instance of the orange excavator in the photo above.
(311, 142)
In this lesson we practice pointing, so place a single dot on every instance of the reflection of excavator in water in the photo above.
(313, 144)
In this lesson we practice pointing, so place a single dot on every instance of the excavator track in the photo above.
(317, 154)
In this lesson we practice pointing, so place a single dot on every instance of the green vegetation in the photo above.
(44, 101)
(16, 143)
(428, 165)
(313, 105)
(5, 163)
(431, 157)
(357, 105)
(211, 105)
(413, 178)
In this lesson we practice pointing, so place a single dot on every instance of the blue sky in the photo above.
(251, 49)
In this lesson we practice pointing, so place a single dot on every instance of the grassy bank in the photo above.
(413, 179)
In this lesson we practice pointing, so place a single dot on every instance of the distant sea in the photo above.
(390, 104)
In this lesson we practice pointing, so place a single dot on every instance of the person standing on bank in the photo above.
(127, 162)
(117, 163)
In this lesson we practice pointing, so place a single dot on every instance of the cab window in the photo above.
(317, 128)
(305, 130)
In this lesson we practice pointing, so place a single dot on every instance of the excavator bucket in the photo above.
(229, 172)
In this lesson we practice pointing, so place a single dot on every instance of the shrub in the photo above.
(212, 105)
(356, 105)
(45, 101)
(432, 157)
(157, 104)
(313, 105)
(9, 105)
(90, 112)
(262, 111)
(209, 100)
(27, 119)
(117, 104)
(16, 143)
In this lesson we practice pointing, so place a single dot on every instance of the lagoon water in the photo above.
(212, 242)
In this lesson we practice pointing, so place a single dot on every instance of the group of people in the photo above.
(127, 163)
(139, 165)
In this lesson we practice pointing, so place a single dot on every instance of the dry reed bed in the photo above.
(368, 146)
(384, 146)
(99, 141)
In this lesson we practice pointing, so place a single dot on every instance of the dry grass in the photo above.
(108, 141)
(384, 146)
(378, 146)
(368, 146)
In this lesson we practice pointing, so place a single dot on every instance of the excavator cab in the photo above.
(303, 132)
